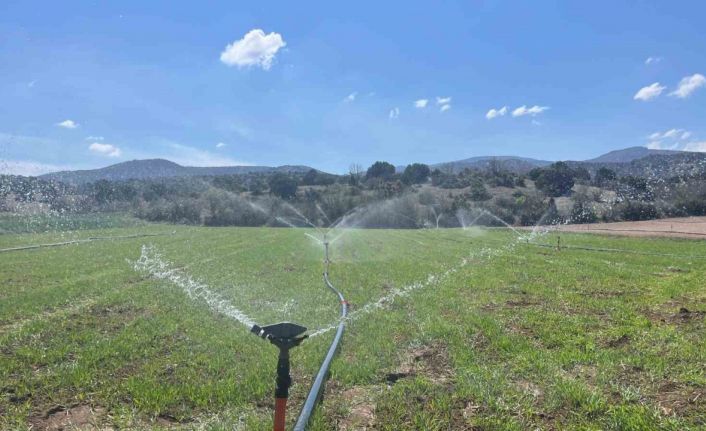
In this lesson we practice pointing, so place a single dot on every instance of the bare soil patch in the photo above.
(674, 399)
(681, 227)
(60, 418)
(430, 361)
(682, 316)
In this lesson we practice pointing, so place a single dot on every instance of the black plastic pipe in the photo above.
(317, 386)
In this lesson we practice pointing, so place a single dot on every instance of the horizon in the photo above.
(518, 157)
(325, 86)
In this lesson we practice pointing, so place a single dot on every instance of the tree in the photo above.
(283, 185)
(309, 178)
(416, 173)
(478, 191)
(556, 180)
(355, 172)
(382, 170)
(582, 175)
(604, 176)
(582, 212)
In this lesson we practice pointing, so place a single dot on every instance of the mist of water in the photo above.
(152, 263)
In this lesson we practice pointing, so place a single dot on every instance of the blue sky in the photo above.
(327, 84)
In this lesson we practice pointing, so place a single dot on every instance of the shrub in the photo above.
(283, 186)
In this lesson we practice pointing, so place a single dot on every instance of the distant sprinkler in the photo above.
(284, 336)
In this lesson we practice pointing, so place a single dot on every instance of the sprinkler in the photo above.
(284, 336)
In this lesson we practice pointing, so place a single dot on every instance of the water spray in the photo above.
(284, 336)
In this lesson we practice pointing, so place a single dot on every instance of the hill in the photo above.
(510, 163)
(159, 168)
(627, 155)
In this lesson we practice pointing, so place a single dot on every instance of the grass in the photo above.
(518, 337)
(57, 222)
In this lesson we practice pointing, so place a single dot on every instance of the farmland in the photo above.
(476, 329)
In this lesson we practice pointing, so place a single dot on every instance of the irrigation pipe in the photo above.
(317, 386)
(79, 241)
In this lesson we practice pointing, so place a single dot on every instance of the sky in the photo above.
(86, 84)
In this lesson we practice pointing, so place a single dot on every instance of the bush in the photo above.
(556, 180)
(636, 211)
(583, 212)
(382, 170)
(283, 186)
(416, 173)
(478, 191)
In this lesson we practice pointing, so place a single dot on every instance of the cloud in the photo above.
(94, 138)
(394, 113)
(533, 111)
(444, 108)
(653, 60)
(254, 49)
(220, 145)
(695, 146)
(421, 103)
(190, 156)
(493, 113)
(68, 124)
(670, 134)
(657, 145)
(443, 100)
(350, 97)
(29, 168)
(688, 85)
(105, 149)
(649, 92)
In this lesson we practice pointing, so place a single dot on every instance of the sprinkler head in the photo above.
(284, 335)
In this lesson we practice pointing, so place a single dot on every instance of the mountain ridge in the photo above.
(162, 168)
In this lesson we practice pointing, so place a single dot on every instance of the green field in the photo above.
(490, 333)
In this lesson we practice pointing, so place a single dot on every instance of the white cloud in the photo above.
(536, 123)
(695, 146)
(351, 97)
(493, 113)
(670, 134)
(190, 156)
(533, 111)
(443, 100)
(254, 49)
(657, 145)
(29, 168)
(220, 145)
(649, 92)
(68, 124)
(394, 113)
(105, 149)
(688, 85)
(421, 103)
(653, 60)
(444, 108)
(94, 138)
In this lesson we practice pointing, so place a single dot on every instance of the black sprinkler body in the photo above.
(284, 336)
